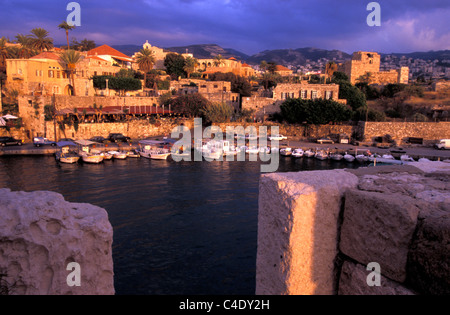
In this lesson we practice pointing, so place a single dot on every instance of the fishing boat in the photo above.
(336, 156)
(349, 157)
(107, 156)
(321, 155)
(133, 154)
(153, 149)
(309, 153)
(286, 151)
(119, 155)
(361, 158)
(298, 153)
(406, 158)
(67, 152)
(87, 152)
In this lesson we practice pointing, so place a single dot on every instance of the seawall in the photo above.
(318, 231)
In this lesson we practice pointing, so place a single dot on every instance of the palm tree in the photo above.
(145, 60)
(65, 26)
(189, 65)
(40, 41)
(25, 50)
(69, 60)
(3, 52)
(218, 60)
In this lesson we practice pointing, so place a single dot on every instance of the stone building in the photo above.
(210, 66)
(266, 102)
(158, 53)
(368, 64)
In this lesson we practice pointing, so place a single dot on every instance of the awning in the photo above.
(85, 142)
(65, 143)
(10, 117)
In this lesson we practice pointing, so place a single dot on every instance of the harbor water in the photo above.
(179, 227)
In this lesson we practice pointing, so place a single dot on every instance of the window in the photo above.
(328, 95)
(58, 74)
(313, 95)
(303, 94)
(50, 73)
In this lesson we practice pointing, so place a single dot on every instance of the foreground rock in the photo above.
(41, 234)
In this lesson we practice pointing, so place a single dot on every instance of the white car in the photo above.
(277, 137)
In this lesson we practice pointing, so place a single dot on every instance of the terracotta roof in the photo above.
(107, 50)
(246, 65)
(231, 58)
(46, 55)
(282, 68)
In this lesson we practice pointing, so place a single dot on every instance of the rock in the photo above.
(429, 256)
(41, 233)
(378, 228)
(353, 281)
(298, 227)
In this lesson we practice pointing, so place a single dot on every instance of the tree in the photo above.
(39, 40)
(84, 45)
(263, 65)
(145, 60)
(191, 105)
(331, 68)
(66, 27)
(218, 60)
(174, 64)
(217, 112)
(355, 98)
(339, 76)
(318, 111)
(271, 67)
(189, 65)
(69, 60)
(3, 52)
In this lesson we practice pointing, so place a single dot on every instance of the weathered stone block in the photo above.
(378, 227)
(353, 281)
(429, 257)
(298, 225)
(41, 233)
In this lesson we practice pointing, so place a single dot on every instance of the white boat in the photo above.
(349, 157)
(321, 155)
(336, 156)
(66, 153)
(361, 158)
(406, 158)
(298, 153)
(286, 151)
(264, 150)
(253, 150)
(107, 156)
(119, 155)
(309, 153)
(388, 156)
(152, 149)
(87, 154)
(159, 154)
(133, 154)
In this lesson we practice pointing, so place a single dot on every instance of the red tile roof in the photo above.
(282, 68)
(107, 50)
(46, 55)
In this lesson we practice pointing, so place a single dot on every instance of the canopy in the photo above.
(65, 143)
(85, 142)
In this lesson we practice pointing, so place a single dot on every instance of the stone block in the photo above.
(353, 281)
(378, 227)
(41, 234)
(298, 223)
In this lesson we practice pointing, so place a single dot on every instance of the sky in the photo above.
(249, 26)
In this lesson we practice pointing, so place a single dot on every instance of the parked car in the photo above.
(277, 137)
(4, 141)
(443, 144)
(118, 137)
(325, 140)
(38, 141)
(99, 139)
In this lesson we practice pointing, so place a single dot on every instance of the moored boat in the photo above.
(286, 151)
(309, 153)
(86, 152)
(321, 155)
(298, 153)
(67, 152)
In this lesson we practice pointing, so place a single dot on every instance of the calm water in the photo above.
(179, 228)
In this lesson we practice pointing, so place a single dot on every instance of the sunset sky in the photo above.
(249, 26)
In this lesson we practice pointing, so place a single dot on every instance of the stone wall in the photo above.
(41, 234)
(401, 131)
(322, 232)
(135, 129)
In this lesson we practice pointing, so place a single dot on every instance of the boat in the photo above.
(274, 150)
(349, 157)
(107, 156)
(388, 156)
(336, 156)
(298, 153)
(406, 158)
(309, 153)
(67, 152)
(264, 150)
(133, 154)
(361, 158)
(153, 149)
(321, 155)
(87, 153)
(286, 151)
(119, 155)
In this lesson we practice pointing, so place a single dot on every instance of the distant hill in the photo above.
(297, 56)
(206, 51)
(429, 55)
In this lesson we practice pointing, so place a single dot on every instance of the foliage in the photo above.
(66, 27)
(340, 76)
(238, 84)
(49, 112)
(369, 91)
(174, 64)
(371, 115)
(122, 84)
(84, 45)
(39, 39)
(217, 112)
(145, 60)
(355, 98)
(191, 105)
(189, 65)
(317, 111)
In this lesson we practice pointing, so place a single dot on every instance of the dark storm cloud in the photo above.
(247, 25)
